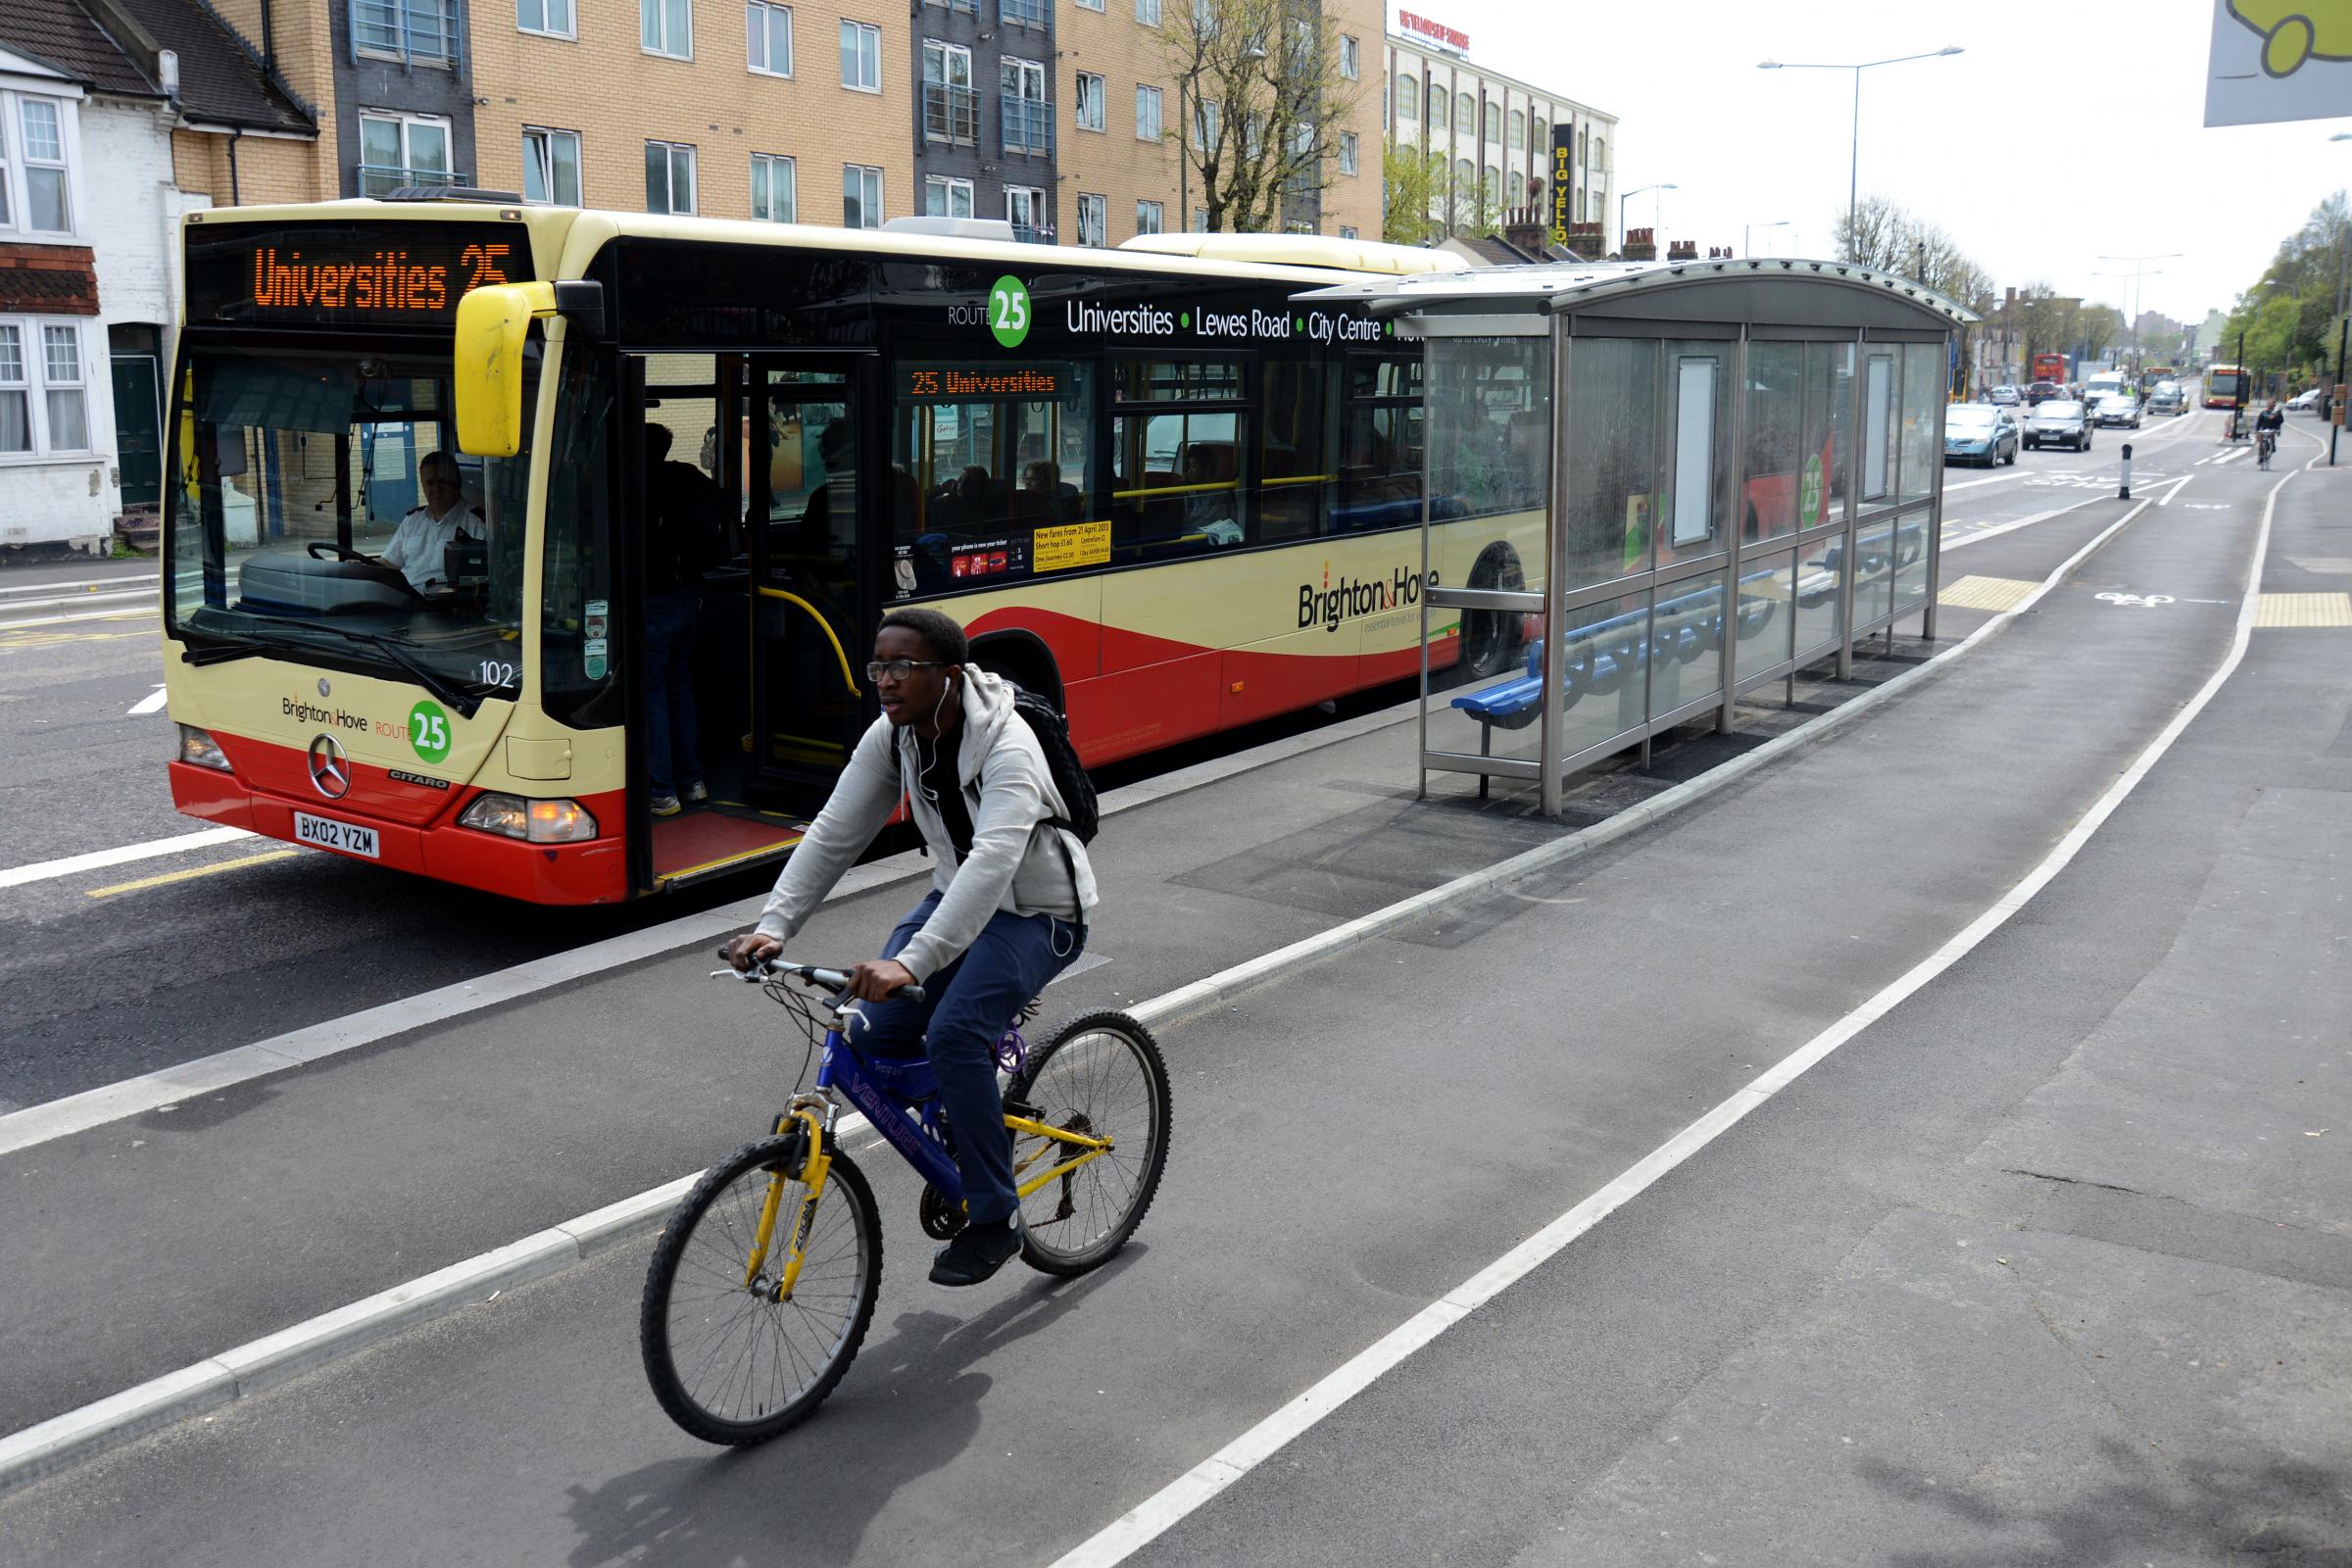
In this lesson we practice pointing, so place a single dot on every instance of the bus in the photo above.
(2226, 386)
(1153, 485)
(2156, 375)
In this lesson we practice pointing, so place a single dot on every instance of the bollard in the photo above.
(2125, 494)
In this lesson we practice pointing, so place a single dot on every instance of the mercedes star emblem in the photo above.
(330, 775)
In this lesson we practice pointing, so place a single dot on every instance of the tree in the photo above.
(1414, 188)
(1478, 209)
(1260, 80)
(1887, 237)
(2292, 314)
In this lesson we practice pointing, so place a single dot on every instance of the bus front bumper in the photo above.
(592, 871)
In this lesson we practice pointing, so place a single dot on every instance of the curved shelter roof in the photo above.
(1776, 291)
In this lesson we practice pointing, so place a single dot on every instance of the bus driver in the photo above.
(1006, 914)
(419, 546)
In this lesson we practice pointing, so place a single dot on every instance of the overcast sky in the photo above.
(2069, 129)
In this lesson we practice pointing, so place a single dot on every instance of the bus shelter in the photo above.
(1673, 483)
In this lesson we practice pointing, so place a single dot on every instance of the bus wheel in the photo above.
(1490, 638)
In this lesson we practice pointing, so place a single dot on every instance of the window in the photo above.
(861, 57)
(1090, 101)
(946, 198)
(1147, 114)
(770, 38)
(59, 419)
(1347, 152)
(860, 196)
(1199, 219)
(551, 17)
(1146, 12)
(1494, 121)
(951, 107)
(1151, 218)
(1179, 449)
(397, 150)
(1601, 154)
(1026, 120)
(1437, 111)
(1022, 13)
(668, 176)
(1025, 211)
(1518, 130)
(1351, 64)
(1089, 5)
(1465, 115)
(666, 28)
(1348, 231)
(776, 189)
(1205, 125)
(976, 476)
(38, 168)
(1408, 99)
(1518, 190)
(1094, 220)
(1542, 136)
(415, 32)
(550, 166)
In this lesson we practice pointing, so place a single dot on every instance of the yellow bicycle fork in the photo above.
(819, 1164)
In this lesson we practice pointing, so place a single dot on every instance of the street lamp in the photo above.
(1627, 197)
(1746, 230)
(2137, 263)
(1854, 163)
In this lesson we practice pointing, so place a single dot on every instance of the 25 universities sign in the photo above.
(2276, 59)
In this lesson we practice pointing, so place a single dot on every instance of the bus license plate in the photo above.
(327, 834)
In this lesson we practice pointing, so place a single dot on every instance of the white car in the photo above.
(2306, 401)
(2117, 407)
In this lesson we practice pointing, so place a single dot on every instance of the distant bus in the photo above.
(2050, 367)
(2150, 377)
(2224, 385)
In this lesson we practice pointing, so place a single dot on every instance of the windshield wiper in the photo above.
(220, 653)
(464, 698)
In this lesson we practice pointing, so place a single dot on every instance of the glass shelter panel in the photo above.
(1606, 646)
(1824, 478)
(1697, 471)
(1820, 606)
(1775, 463)
(1613, 478)
(1874, 570)
(1882, 397)
(1911, 561)
(1767, 613)
(1923, 419)
(1489, 426)
(1685, 644)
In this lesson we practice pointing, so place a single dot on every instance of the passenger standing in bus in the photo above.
(419, 546)
(686, 530)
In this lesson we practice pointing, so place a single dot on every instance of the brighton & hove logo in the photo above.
(1009, 311)
(428, 731)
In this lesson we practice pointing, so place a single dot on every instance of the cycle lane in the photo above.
(1242, 1109)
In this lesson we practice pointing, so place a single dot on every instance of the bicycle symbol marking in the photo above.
(2136, 602)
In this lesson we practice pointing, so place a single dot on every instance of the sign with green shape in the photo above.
(428, 731)
(1009, 311)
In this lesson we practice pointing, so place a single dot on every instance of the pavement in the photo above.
(1936, 1300)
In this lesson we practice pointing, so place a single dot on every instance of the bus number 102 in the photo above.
(495, 674)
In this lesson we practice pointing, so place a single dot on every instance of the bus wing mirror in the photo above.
(492, 323)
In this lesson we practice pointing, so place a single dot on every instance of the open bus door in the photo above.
(771, 651)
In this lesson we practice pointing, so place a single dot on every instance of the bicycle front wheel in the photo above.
(729, 1360)
(1102, 1076)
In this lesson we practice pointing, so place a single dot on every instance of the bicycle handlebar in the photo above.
(836, 981)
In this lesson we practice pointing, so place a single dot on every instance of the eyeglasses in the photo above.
(900, 668)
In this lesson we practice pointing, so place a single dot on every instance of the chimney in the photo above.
(1641, 245)
(1682, 250)
(166, 73)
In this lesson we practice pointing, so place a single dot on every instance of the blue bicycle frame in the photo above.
(900, 1097)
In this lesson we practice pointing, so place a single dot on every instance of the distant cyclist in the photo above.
(1007, 911)
(2267, 425)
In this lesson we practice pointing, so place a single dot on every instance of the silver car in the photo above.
(2059, 423)
(2117, 407)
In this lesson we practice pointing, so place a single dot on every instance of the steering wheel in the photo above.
(337, 552)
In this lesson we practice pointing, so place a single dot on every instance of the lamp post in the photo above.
(1748, 231)
(1627, 197)
(1853, 174)
(2137, 263)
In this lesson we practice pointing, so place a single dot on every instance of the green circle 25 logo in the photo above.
(1009, 311)
(428, 731)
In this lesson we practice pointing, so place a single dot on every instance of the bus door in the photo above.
(816, 472)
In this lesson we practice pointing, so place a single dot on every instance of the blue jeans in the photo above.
(965, 1009)
(670, 758)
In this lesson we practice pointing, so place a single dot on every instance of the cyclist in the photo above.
(1007, 911)
(2267, 425)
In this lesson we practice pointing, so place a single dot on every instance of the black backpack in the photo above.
(1053, 732)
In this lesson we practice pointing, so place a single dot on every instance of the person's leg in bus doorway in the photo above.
(672, 764)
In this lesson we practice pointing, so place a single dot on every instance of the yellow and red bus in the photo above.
(2226, 385)
(1152, 483)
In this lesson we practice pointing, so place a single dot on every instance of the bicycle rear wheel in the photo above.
(1102, 1076)
(730, 1362)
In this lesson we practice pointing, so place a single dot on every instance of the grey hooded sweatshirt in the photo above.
(1015, 863)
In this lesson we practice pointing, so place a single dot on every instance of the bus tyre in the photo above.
(1491, 637)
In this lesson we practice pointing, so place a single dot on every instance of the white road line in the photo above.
(152, 703)
(79, 582)
(59, 621)
(1141, 1526)
(66, 1438)
(12, 606)
(120, 854)
(1999, 529)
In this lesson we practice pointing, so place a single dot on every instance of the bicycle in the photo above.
(745, 1331)
(2266, 442)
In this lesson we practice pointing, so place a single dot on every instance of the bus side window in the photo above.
(1180, 469)
(978, 477)
(1296, 462)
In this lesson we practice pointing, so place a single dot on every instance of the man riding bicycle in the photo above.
(1007, 911)
(2267, 425)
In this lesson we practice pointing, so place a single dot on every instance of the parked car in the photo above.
(2042, 392)
(2059, 423)
(2117, 409)
(2306, 401)
(1979, 432)
(2004, 397)
(2168, 399)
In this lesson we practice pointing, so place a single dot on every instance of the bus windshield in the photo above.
(323, 510)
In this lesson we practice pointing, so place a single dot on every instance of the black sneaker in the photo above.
(976, 1253)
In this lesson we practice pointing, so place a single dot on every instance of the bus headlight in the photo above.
(534, 822)
(199, 750)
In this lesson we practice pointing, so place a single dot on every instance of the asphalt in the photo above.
(1541, 1043)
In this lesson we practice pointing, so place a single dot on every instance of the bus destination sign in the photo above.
(983, 383)
(340, 274)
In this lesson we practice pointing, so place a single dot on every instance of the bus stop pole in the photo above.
(1555, 623)
(1737, 525)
